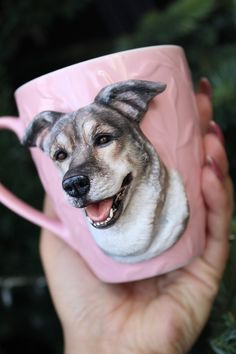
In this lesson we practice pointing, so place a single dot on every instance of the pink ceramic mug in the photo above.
(172, 127)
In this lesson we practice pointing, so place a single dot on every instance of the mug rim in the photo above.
(68, 67)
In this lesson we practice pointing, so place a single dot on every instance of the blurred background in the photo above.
(40, 36)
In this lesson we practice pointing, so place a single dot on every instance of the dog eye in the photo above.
(103, 139)
(60, 155)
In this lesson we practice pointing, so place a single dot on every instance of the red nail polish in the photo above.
(215, 167)
(204, 87)
(214, 128)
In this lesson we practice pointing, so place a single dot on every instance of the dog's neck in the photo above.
(157, 175)
(138, 219)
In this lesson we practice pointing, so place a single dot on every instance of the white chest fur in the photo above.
(141, 233)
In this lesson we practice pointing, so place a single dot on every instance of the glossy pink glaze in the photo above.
(171, 124)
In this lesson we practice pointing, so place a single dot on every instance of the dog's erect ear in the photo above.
(39, 128)
(131, 97)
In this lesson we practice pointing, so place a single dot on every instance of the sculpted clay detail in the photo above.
(135, 206)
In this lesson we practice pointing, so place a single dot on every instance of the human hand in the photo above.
(164, 314)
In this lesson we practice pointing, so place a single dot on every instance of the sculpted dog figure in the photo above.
(135, 207)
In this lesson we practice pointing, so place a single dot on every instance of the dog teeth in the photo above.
(111, 213)
(101, 223)
(105, 222)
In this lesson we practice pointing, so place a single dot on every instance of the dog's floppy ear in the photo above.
(39, 128)
(131, 97)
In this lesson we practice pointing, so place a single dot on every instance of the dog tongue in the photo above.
(99, 211)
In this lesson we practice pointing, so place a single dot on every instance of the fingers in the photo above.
(204, 104)
(216, 155)
(218, 219)
(214, 128)
(218, 196)
(216, 183)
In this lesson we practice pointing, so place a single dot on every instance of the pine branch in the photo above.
(226, 343)
(179, 19)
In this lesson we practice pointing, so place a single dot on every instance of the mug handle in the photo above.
(16, 204)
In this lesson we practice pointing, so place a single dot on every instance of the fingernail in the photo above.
(214, 128)
(204, 87)
(211, 162)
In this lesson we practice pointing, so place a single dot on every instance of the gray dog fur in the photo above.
(135, 207)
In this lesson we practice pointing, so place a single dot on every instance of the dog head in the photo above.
(99, 148)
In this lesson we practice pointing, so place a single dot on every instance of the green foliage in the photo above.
(226, 342)
(234, 226)
(222, 323)
(30, 45)
(178, 20)
(223, 79)
(206, 29)
(24, 18)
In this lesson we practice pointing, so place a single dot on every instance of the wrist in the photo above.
(76, 343)
(80, 347)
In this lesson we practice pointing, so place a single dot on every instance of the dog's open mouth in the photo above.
(105, 213)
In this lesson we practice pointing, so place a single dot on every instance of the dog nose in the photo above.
(76, 186)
